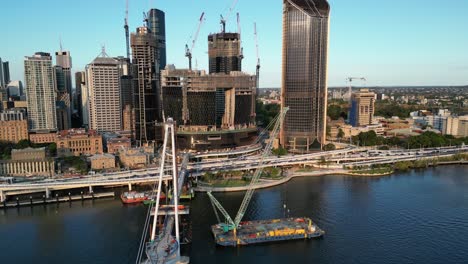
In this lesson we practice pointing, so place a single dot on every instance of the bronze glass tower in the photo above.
(304, 82)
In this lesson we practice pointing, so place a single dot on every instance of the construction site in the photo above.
(213, 110)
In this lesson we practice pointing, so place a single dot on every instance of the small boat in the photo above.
(133, 197)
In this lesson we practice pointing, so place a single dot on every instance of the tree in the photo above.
(329, 147)
(328, 131)
(340, 134)
(280, 151)
(22, 144)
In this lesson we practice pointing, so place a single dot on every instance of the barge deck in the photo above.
(263, 231)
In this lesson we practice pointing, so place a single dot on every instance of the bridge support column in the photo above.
(91, 189)
(129, 187)
(47, 193)
(2, 196)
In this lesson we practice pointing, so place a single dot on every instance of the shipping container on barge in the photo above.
(263, 231)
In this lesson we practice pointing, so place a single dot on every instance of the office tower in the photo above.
(362, 108)
(146, 94)
(63, 62)
(63, 59)
(4, 74)
(80, 81)
(157, 26)
(224, 52)
(40, 82)
(15, 89)
(63, 120)
(127, 86)
(126, 81)
(104, 103)
(63, 106)
(212, 111)
(304, 84)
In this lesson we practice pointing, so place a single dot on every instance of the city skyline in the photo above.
(408, 47)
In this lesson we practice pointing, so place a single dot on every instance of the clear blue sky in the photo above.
(398, 42)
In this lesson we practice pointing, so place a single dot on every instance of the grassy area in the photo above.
(228, 183)
(307, 169)
(424, 163)
(373, 171)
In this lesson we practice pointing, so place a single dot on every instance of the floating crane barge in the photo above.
(237, 232)
(264, 231)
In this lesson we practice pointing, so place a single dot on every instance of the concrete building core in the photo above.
(224, 52)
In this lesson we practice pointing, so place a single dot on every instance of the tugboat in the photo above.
(133, 197)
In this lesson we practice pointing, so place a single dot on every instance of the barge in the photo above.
(264, 231)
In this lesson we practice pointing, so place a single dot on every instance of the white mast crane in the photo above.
(226, 17)
(350, 88)
(239, 31)
(234, 224)
(188, 52)
(258, 59)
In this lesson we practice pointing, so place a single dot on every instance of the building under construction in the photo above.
(212, 110)
(225, 52)
(146, 99)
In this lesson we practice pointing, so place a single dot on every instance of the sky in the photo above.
(397, 42)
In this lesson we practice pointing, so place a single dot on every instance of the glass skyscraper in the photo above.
(157, 26)
(304, 82)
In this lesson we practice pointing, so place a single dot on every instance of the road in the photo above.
(349, 157)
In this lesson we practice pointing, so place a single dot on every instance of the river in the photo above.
(413, 217)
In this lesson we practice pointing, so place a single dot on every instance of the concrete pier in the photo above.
(67, 198)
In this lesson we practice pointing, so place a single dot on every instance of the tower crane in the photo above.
(234, 224)
(188, 52)
(239, 31)
(258, 59)
(127, 36)
(225, 18)
(350, 80)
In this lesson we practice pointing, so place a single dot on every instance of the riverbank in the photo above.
(204, 187)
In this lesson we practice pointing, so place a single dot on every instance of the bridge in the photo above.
(346, 157)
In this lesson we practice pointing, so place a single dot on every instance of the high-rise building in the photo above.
(63, 62)
(224, 52)
(157, 26)
(80, 81)
(4, 74)
(40, 82)
(105, 111)
(362, 108)
(304, 81)
(146, 93)
(15, 89)
(63, 107)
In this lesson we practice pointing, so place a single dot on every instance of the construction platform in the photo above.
(263, 231)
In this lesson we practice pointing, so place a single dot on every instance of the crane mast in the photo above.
(225, 18)
(239, 31)
(258, 60)
(127, 35)
(188, 51)
(234, 224)
(350, 88)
